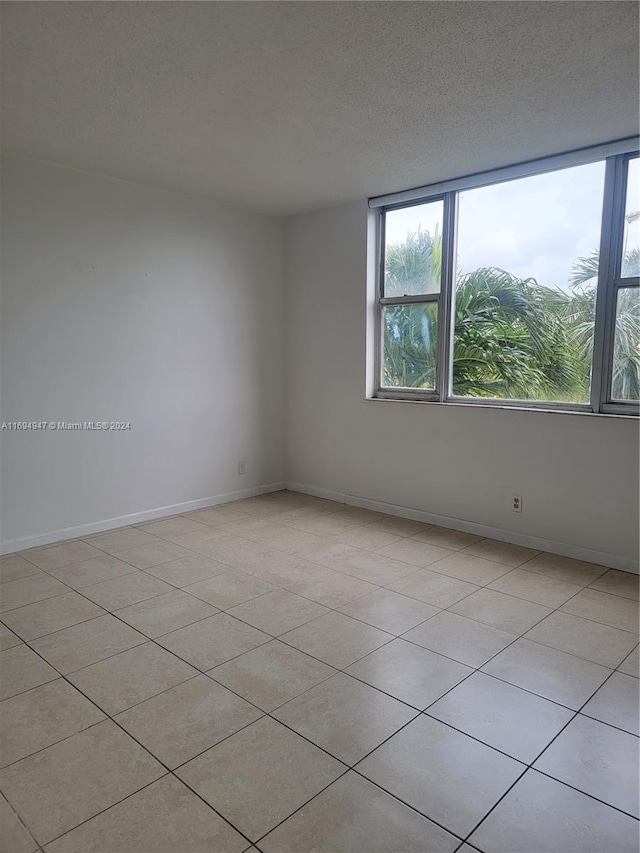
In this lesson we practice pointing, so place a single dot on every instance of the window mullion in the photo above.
(610, 241)
(445, 328)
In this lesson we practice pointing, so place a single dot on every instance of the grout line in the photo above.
(337, 670)
(531, 767)
(112, 719)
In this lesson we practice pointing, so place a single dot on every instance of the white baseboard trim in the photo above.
(564, 549)
(9, 546)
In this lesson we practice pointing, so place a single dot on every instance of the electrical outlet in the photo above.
(242, 467)
(516, 503)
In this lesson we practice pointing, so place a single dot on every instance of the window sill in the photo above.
(503, 407)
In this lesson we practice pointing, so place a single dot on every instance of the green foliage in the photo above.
(415, 265)
(509, 341)
(410, 346)
(513, 338)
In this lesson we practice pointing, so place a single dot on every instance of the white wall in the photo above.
(578, 474)
(122, 302)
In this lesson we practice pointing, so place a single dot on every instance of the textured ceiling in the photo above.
(290, 106)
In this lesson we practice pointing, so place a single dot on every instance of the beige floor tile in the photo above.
(120, 540)
(153, 554)
(542, 815)
(21, 669)
(374, 568)
(501, 552)
(131, 677)
(165, 613)
(582, 637)
(410, 673)
(229, 589)
(203, 542)
(45, 617)
(565, 568)
(278, 611)
(283, 570)
(362, 515)
(328, 525)
(88, 572)
(260, 776)
(617, 703)
(128, 589)
(336, 639)
(213, 641)
(239, 554)
(184, 721)
(625, 584)
(541, 589)
(164, 817)
(324, 552)
(14, 837)
(56, 556)
(345, 717)
(631, 664)
(444, 537)
(419, 554)
(28, 590)
(433, 588)
(13, 567)
(7, 638)
(288, 539)
(288, 515)
(87, 643)
(254, 528)
(176, 526)
(41, 717)
(213, 515)
(506, 612)
(331, 588)
(427, 765)
(188, 570)
(400, 526)
(354, 815)
(472, 569)
(367, 538)
(510, 719)
(389, 611)
(601, 607)
(271, 675)
(597, 760)
(71, 781)
(555, 675)
(464, 640)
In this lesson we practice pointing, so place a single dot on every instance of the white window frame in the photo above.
(616, 156)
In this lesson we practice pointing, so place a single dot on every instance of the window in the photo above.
(518, 287)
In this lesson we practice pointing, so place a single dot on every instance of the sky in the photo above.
(534, 227)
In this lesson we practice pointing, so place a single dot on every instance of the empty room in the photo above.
(319, 446)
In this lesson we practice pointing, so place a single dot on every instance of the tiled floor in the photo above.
(287, 674)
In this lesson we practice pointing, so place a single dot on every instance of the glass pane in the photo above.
(409, 347)
(413, 250)
(631, 242)
(526, 275)
(625, 383)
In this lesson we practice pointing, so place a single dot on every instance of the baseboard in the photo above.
(9, 546)
(564, 549)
